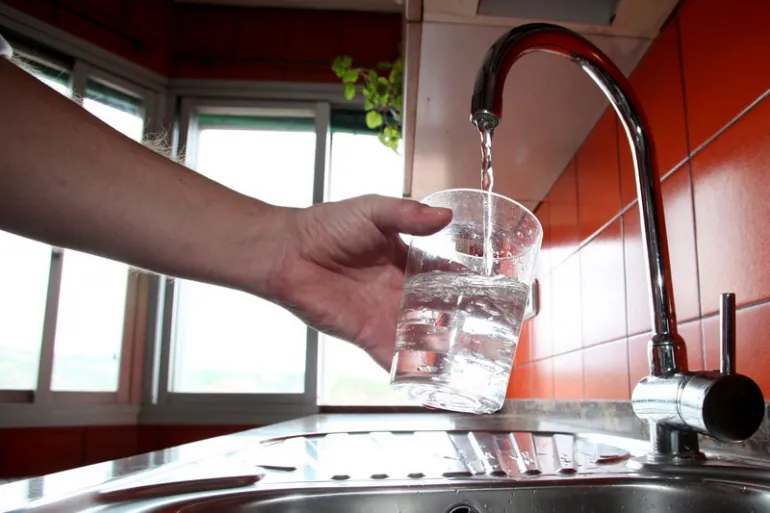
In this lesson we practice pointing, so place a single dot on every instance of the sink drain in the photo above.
(461, 508)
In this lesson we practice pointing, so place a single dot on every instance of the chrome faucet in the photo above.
(676, 404)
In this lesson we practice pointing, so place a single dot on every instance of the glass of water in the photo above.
(465, 294)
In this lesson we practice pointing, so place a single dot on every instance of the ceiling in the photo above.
(346, 5)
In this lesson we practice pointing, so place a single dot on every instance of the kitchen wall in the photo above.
(26, 452)
(703, 85)
(224, 42)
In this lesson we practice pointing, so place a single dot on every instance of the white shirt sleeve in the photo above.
(5, 48)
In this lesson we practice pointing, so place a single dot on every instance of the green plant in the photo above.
(383, 91)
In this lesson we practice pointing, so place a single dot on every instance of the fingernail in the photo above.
(434, 211)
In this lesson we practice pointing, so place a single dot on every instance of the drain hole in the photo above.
(461, 508)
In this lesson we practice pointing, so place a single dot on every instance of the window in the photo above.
(24, 282)
(227, 341)
(360, 164)
(92, 298)
(62, 312)
(56, 78)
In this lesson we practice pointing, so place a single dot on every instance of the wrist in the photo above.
(253, 259)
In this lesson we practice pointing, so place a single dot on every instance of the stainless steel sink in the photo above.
(440, 472)
(609, 496)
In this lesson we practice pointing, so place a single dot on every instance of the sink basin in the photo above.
(611, 495)
(453, 472)
(433, 471)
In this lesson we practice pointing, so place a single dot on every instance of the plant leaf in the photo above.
(337, 66)
(382, 81)
(347, 61)
(350, 91)
(368, 104)
(373, 119)
(384, 65)
(372, 75)
(350, 76)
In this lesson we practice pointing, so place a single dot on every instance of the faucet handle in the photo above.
(727, 333)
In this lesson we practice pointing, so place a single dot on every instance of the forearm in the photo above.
(68, 179)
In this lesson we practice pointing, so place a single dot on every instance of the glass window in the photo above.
(227, 341)
(360, 164)
(56, 79)
(92, 300)
(24, 269)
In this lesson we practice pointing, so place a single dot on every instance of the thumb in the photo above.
(406, 216)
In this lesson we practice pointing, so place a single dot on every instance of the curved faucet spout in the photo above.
(667, 353)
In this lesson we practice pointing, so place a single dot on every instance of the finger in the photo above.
(406, 216)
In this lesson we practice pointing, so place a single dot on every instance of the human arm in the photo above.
(70, 180)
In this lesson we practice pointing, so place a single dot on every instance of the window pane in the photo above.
(89, 327)
(347, 375)
(24, 268)
(56, 79)
(227, 341)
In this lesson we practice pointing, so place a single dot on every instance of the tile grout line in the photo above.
(730, 123)
(623, 249)
(688, 160)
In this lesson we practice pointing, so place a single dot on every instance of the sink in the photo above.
(611, 496)
(443, 472)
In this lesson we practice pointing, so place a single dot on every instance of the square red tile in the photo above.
(605, 371)
(598, 176)
(522, 355)
(568, 376)
(541, 326)
(732, 186)
(602, 284)
(565, 226)
(680, 226)
(638, 363)
(657, 82)
(729, 37)
(520, 383)
(542, 379)
(566, 301)
(751, 347)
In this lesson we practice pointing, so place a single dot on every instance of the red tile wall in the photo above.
(137, 30)
(707, 99)
(225, 42)
(28, 452)
(222, 42)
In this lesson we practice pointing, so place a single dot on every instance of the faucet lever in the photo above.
(727, 334)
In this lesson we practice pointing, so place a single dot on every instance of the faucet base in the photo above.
(673, 446)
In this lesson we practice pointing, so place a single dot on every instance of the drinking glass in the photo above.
(461, 312)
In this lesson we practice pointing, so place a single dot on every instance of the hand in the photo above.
(342, 267)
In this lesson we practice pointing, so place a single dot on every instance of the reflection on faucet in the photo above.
(676, 404)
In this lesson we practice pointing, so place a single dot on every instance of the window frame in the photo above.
(145, 360)
(22, 407)
(160, 403)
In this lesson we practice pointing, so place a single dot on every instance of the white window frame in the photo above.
(160, 404)
(44, 406)
(143, 396)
